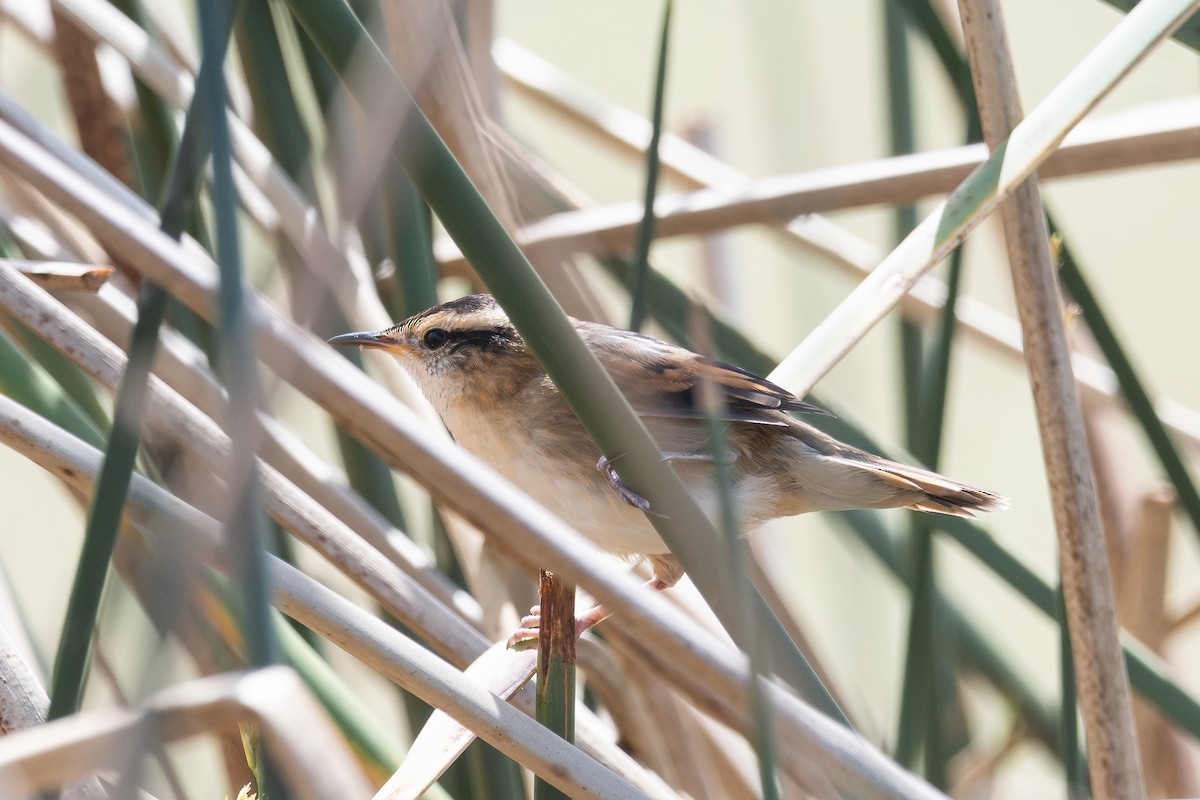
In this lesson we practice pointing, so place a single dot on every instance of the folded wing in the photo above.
(663, 380)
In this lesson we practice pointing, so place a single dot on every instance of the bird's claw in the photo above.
(628, 495)
(605, 465)
(531, 624)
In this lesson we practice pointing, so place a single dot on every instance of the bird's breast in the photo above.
(554, 461)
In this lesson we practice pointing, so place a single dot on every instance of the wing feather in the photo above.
(664, 380)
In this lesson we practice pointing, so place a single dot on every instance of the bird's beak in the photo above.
(367, 341)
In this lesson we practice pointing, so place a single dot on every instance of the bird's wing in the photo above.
(664, 380)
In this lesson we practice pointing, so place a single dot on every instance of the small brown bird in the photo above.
(496, 400)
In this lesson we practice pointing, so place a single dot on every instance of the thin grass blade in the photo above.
(246, 525)
(645, 235)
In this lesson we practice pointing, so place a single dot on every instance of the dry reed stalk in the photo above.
(1167, 136)
(57, 276)
(315, 762)
(435, 63)
(1103, 686)
(98, 119)
(1142, 603)
(372, 641)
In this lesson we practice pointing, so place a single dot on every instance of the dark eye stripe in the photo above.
(484, 339)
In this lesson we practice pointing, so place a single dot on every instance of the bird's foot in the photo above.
(531, 624)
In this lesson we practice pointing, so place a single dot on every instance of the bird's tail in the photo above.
(934, 492)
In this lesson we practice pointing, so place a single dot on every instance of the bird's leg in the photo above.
(628, 495)
(631, 497)
(667, 572)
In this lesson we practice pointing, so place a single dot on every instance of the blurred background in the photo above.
(775, 94)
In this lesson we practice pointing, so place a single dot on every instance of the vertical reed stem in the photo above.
(1103, 687)
(556, 666)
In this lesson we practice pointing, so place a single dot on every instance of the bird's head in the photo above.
(447, 347)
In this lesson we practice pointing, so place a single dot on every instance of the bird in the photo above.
(498, 403)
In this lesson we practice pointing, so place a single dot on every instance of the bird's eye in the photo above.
(435, 338)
